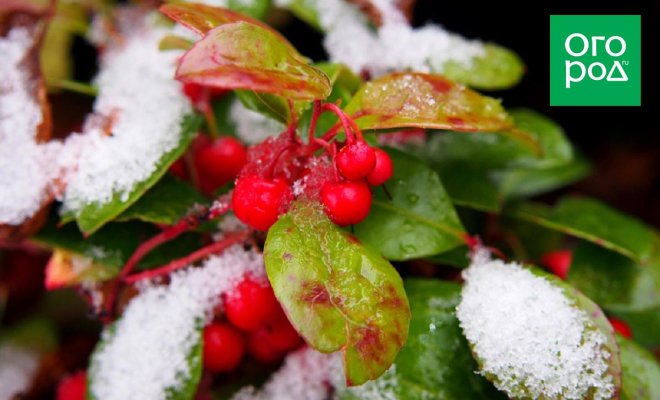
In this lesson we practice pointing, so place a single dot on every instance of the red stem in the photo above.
(345, 120)
(189, 259)
(316, 112)
(185, 224)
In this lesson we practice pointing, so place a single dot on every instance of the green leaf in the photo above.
(624, 288)
(112, 245)
(186, 389)
(68, 20)
(555, 147)
(340, 76)
(270, 105)
(419, 221)
(307, 11)
(469, 186)
(641, 372)
(645, 325)
(499, 68)
(242, 55)
(338, 293)
(456, 257)
(594, 221)
(436, 362)
(201, 18)
(428, 101)
(344, 84)
(525, 182)
(165, 203)
(254, 8)
(614, 281)
(94, 215)
(482, 170)
(36, 333)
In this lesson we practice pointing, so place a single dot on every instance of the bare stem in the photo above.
(213, 248)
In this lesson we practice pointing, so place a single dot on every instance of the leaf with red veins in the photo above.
(427, 101)
(337, 293)
(241, 55)
(202, 18)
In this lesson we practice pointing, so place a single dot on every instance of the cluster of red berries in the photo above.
(258, 201)
(348, 201)
(255, 324)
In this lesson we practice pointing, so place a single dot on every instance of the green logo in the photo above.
(595, 60)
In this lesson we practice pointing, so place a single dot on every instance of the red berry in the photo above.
(621, 327)
(178, 169)
(224, 347)
(194, 92)
(558, 262)
(260, 347)
(72, 387)
(346, 203)
(283, 336)
(356, 160)
(382, 170)
(197, 95)
(257, 202)
(252, 305)
(218, 162)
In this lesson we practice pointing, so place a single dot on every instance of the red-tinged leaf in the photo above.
(425, 101)
(202, 18)
(242, 55)
(337, 293)
(66, 268)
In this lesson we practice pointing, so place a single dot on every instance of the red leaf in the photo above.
(202, 18)
(241, 55)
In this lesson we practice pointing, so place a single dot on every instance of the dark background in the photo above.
(622, 142)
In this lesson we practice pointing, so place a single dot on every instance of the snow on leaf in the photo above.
(425, 101)
(24, 124)
(535, 336)
(339, 294)
(154, 349)
(242, 55)
(127, 152)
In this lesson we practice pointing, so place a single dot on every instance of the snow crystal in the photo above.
(306, 374)
(23, 183)
(147, 348)
(395, 46)
(251, 126)
(17, 368)
(527, 332)
(145, 105)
